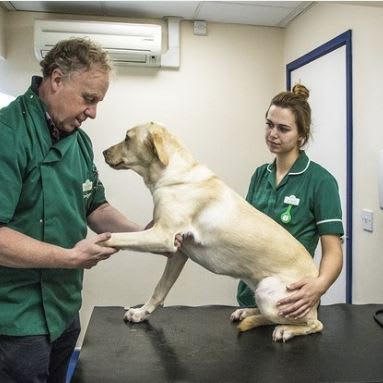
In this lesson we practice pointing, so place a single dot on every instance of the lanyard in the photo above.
(286, 216)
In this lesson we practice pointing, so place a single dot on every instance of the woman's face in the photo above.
(281, 131)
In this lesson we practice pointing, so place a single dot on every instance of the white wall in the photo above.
(215, 103)
(308, 32)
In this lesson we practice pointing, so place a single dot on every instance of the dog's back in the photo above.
(229, 236)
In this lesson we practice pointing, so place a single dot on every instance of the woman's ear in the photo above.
(301, 141)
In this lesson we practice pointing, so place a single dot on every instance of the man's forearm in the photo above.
(20, 251)
(108, 219)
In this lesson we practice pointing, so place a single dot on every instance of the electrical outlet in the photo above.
(367, 220)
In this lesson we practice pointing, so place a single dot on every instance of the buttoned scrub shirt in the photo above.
(306, 203)
(46, 192)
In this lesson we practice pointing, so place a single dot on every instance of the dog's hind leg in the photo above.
(240, 314)
(285, 332)
(172, 270)
(253, 321)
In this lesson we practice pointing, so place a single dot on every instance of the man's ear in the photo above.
(56, 79)
(159, 146)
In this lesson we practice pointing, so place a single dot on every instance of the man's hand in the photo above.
(88, 252)
(304, 295)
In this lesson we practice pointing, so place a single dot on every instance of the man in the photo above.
(49, 194)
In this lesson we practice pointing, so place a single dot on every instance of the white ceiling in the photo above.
(265, 13)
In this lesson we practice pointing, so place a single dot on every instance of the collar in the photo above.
(35, 84)
(55, 133)
(300, 165)
(33, 109)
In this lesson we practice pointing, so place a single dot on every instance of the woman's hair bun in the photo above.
(301, 91)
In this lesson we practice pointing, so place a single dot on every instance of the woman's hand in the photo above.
(304, 295)
(178, 241)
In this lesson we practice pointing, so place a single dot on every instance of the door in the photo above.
(326, 72)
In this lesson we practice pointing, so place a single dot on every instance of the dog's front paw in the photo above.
(136, 315)
(282, 333)
(103, 244)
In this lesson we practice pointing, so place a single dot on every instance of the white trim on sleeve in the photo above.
(329, 220)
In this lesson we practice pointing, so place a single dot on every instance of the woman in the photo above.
(300, 195)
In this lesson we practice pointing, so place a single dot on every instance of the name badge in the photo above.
(87, 186)
(291, 200)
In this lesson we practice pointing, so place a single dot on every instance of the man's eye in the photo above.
(269, 124)
(89, 99)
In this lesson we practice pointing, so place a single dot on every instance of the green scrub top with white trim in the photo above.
(47, 191)
(306, 203)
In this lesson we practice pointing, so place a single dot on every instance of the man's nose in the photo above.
(91, 111)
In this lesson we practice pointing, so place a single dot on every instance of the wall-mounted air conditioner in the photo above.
(126, 43)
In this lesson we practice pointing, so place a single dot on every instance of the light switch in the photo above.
(367, 220)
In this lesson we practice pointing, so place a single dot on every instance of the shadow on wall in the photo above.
(5, 99)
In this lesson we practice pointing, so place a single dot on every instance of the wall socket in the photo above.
(367, 220)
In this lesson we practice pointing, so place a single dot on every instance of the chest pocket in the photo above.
(89, 187)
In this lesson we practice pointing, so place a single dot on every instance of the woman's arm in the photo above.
(307, 292)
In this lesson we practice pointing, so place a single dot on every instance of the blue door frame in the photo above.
(335, 43)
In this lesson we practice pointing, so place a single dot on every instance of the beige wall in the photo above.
(215, 103)
(313, 28)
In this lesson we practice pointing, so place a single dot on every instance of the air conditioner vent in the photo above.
(127, 43)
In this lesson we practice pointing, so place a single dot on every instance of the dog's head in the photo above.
(144, 146)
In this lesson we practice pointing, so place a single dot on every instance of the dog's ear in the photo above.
(159, 147)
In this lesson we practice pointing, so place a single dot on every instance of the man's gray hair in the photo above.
(73, 55)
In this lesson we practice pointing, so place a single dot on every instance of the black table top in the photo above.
(200, 344)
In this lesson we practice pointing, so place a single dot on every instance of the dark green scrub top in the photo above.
(47, 191)
(306, 203)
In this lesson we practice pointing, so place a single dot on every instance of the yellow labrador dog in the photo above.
(223, 233)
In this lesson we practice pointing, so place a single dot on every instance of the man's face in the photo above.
(75, 97)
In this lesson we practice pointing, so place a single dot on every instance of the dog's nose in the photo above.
(105, 153)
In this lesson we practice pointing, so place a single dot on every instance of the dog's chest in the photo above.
(210, 257)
